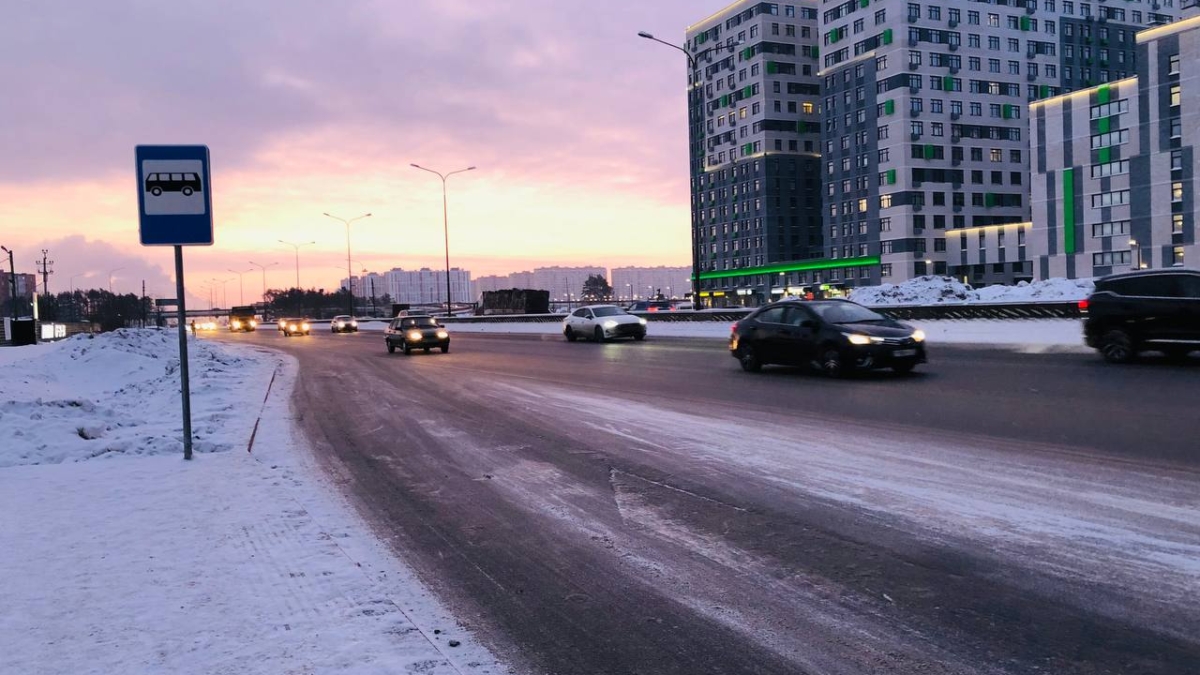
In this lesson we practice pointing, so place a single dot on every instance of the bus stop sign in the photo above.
(174, 195)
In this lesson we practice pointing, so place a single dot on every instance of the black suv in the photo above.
(834, 336)
(1154, 310)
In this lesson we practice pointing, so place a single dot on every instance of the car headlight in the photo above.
(305, 326)
(253, 323)
(641, 321)
(610, 324)
(237, 324)
(442, 335)
(918, 335)
(292, 327)
(354, 324)
(858, 339)
(415, 335)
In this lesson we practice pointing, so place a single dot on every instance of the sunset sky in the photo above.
(577, 126)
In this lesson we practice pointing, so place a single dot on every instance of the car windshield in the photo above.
(845, 312)
(608, 311)
(420, 322)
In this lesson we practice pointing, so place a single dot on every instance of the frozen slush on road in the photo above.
(119, 557)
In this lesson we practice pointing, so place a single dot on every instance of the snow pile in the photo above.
(1050, 290)
(934, 290)
(118, 394)
(924, 290)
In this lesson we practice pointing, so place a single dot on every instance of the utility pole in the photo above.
(45, 271)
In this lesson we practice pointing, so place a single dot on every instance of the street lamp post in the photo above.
(12, 280)
(445, 225)
(695, 98)
(349, 272)
(241, 289)
(296, 247)
(264, 274)
(110, 278)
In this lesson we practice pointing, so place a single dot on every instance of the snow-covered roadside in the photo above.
(233, 562)
(1021, 335)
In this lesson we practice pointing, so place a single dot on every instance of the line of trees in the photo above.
(317, 304)
(109, 310)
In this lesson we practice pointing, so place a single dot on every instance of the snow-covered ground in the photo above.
(933, 290)
(119, 557)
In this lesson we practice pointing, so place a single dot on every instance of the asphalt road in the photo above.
(649, 508)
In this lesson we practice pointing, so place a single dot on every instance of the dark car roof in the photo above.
(1138, 274)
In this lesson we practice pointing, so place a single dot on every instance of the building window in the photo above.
(1106, 199)
(1175, 94)
(885, 269)
(1110, 258)
(1176, 223)
(1177, 191)
(1109, 229)
(1177, 255)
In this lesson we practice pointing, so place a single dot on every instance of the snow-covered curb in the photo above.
(233, 562)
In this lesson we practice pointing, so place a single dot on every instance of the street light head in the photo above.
(1133, 242)
(416, 166)
(470, 168)
(644, 34)
(6, 249)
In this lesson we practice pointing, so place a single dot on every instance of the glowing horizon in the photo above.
(577, 127)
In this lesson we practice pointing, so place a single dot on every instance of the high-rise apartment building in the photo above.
(426, 286)
(1115, 167)
(754, 134)
(925, 125)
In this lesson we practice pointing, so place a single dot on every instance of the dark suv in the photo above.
(1155, 310)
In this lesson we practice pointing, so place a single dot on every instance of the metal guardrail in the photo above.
(947, 311)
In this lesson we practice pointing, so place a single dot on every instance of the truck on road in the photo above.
(242, 319)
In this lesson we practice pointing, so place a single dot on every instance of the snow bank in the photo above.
(118, 394)
(933, 290)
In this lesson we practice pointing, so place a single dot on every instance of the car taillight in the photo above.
(1083, 305)
(733, 328)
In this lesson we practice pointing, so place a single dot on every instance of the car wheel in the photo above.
(749, 360)
(904, 368)
(157, 192)
(1117, 347)
(570, 335)
(832, 364)
(445, 349)
(187, 192)
(391, 348)
(598, 335)
(640, 337)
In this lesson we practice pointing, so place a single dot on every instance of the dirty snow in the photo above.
(1129, 530)
(934, 290)
(140, 562)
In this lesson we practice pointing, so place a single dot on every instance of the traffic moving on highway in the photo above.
(955, 519)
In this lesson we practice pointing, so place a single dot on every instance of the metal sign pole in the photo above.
(185, 388)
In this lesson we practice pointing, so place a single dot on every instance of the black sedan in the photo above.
(416, 332)
(835, 337)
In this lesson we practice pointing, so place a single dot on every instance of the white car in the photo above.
(603, 322)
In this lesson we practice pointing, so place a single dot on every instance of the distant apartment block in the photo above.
(416, 287)
(1114, 184)
(639, 283)
(26, 285)
(754, 134)
(926, 144)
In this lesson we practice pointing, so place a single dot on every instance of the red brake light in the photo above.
(1083, 305)
(733, 328)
